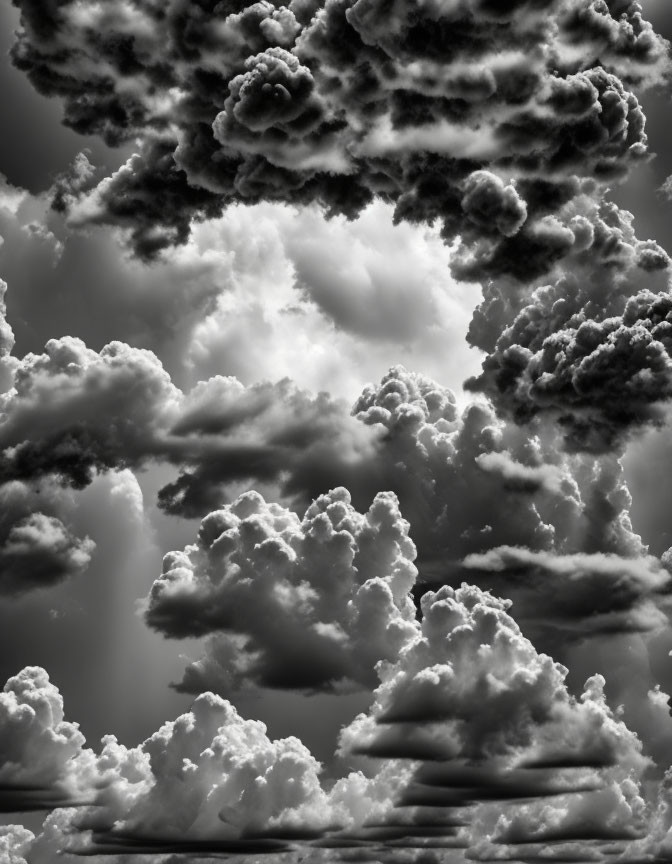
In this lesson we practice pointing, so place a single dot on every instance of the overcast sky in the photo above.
(335, 374)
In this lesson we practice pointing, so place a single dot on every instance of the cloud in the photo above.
(15, 840)
(329, 296)
(83, 410)
(216, 776)
(495, 737)
(590, 349)
(209, 782)
(468, 483)
(300, 604)
(6, 342)
(265, 103)
(501, 141)
(37, 549)
(582, 594)
(40, 551)
(472, 687)
(269, 432)
(73, 412)
(42, 755)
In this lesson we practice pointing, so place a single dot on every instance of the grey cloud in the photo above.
(470, 653)
(39, 551)
(589, 350)
(292, 121)
(41, 753)
(208, 783)
(582, 594)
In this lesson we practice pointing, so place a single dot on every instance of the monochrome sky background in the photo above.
(312, 314)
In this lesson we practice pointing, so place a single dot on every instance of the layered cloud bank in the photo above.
(475, 744)
(486, 500)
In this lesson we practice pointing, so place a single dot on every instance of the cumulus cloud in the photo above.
(83, 410)
(274, 433)
(495, 736)
(468, 654)
(468, 482)
(308, 603)
(501, 124)
(15, 840)
(7, 362)
(42, 753)
(73, 412)
(209, 782)
(590, 349)
(476, 745)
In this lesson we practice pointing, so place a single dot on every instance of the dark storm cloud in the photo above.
(590, 349)
(340, 102)
(502, 144)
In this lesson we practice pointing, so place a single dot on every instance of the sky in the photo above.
(335, 382)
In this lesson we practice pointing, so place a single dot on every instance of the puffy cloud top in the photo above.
(216, 774)
(295, 603)
(40, 751)
(472, 687)
(344, 100)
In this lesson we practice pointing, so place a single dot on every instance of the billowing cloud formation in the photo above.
(482, 748)
(340, 102)
(468, 483)
(265, 432)
(15, 840)
(236, 780)
(300, 604)
(73, 411)
(583, 594)
(471, 686)
(40, 752)
(497, 739)
(499, 124)
(590, 349)
(7, 362)
(83, 410)
(209, 781)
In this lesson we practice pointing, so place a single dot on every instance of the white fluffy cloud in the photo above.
(471, 686)
(293, 603)
(43, 761)
(209, 781)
